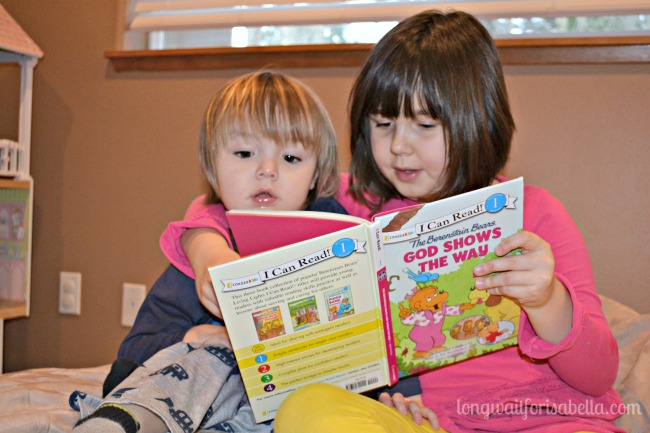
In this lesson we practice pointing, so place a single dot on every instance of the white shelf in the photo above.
(16, 185)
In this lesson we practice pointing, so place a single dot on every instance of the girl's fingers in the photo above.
(527, 241)
(416, 412)
(403, 405)
(529, 259)
(386, 399)
(400, 403)
(431, 416)
(521, 286)
(512, 279)
(506, 263)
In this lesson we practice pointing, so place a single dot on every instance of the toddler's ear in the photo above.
(313, 181)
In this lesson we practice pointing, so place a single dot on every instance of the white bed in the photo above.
(36, 400)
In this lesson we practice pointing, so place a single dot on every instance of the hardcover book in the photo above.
(319, 297)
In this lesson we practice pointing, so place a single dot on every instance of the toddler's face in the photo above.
(253, 172)
(409, 152)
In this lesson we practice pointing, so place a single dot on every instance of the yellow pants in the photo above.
(329, 409)
(326, 408)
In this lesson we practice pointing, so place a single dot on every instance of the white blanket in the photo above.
(632, 332)
(36, 401)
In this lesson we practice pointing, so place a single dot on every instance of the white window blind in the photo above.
(161, 24)
(150, 15)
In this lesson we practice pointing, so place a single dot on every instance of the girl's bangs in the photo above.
(399, 94)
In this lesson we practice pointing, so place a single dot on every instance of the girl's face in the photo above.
(255, 173)
(410, 152)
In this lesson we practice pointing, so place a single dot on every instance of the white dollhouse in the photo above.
(16, 185)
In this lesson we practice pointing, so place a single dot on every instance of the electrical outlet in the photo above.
(70, 293)
(132, 298)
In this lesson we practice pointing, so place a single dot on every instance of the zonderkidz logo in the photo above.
(247, 282)
(399, 235)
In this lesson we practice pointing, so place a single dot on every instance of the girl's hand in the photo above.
(211, 335)
(528, 277)
(411, 405)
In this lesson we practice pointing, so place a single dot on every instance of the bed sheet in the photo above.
(632, 332)
(36, 400)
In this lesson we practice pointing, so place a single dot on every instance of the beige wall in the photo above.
(114, 160)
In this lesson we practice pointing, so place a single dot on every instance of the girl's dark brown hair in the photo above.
(448, 63)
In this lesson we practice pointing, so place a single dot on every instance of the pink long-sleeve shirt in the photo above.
(537, 386)
(198, 215)
(509, 390)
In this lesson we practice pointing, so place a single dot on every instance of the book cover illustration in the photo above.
(431, 250)
(304, 313)
(339, 303)
(269, 323)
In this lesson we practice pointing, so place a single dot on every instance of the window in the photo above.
(171, 24)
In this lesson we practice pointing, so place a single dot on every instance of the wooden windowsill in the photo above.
(521, 51)
(12, 309)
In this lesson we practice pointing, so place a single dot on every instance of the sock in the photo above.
(108, 418)
(98, 425)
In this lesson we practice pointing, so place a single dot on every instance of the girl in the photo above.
(430, 118)
(266, 143)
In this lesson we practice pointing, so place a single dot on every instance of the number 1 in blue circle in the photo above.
(343, 247)
(495, 202)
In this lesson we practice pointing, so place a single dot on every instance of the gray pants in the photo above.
(190, 387)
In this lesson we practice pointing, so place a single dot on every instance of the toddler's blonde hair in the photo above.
(277, 107)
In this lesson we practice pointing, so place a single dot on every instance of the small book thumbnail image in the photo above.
(268, 323)
(304, 313)
(339, 303)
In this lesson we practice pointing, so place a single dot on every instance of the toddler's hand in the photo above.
(204, 287)
(205, 248)
(205, 292)
(411, 405)
(211, 335)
